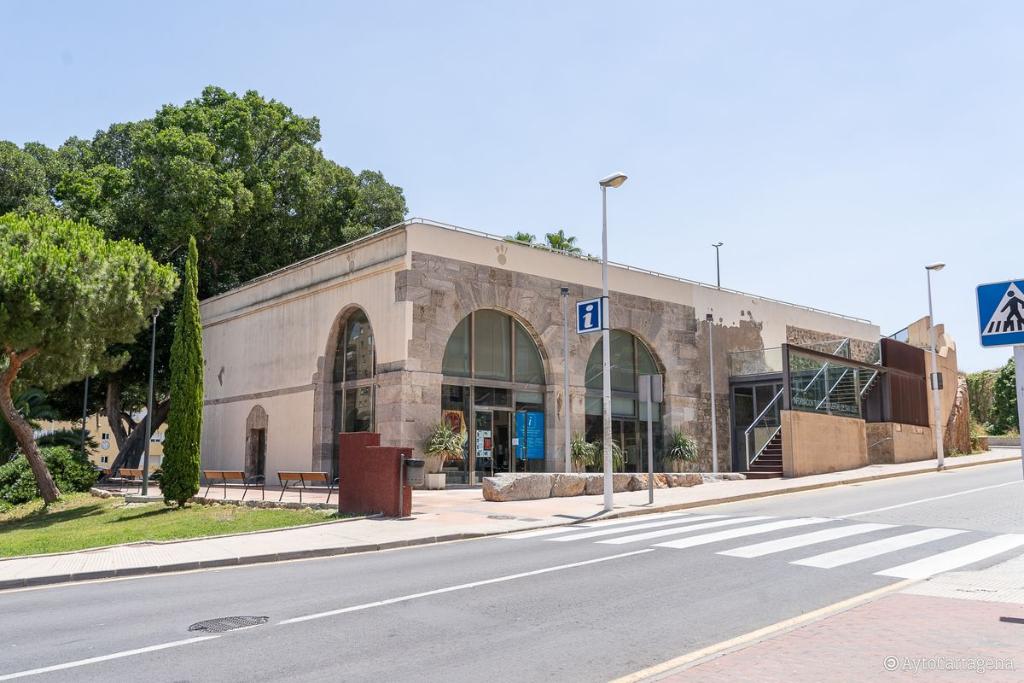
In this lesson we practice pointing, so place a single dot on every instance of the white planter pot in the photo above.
(436, 481)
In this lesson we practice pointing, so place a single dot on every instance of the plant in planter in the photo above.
(618, 457)
(682, 450)
(582, 453)
(443, 444)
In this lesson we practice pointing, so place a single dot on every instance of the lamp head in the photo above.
(614, 180)
(716, 245)
(935, 266)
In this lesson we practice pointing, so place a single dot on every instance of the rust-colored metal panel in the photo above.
(906, 387)
(905, 357)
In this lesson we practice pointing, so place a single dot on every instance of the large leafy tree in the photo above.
(185, 422)
(66, 295)
(243, 175)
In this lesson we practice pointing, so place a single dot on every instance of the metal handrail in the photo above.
(746, 432)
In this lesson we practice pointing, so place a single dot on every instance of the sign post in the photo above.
(651, 391)
(1001, 323)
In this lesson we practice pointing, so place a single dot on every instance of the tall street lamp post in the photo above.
(614, 180)
(565, 375)
(149, 409)
(936, 390)
(714, 413)
(718, 265)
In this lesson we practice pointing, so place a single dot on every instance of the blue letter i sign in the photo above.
(588, 316)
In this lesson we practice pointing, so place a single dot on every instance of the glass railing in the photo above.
(756, 362)
(825, 386)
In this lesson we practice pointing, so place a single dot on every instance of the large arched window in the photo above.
(352, 377)
(494, 390)
(630, 358)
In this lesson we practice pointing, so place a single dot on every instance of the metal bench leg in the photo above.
(209, 485)
(225, 487)
(330, 490)
(284, 487)
(245, 491)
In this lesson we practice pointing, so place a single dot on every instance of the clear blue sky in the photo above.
(835, 147)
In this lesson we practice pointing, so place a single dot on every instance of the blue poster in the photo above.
(530, 435)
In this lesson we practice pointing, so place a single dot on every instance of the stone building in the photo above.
(422, 322)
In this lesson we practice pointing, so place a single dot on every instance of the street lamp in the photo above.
(565, 376)
(718, 266)
(614, 180)
(936, 393)
(149, 409)
(714, 414)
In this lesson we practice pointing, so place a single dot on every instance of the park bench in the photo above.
(130, 475)
(302, 481)
(234, 478)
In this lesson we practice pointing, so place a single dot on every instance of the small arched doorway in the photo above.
(256, 442)
(630, 358)
(493, 389)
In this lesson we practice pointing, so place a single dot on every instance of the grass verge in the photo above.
(80, 521)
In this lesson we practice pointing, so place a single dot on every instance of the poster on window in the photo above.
(457, 421)
(530, 435)
(484, 443)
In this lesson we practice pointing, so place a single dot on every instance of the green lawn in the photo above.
(80, 521)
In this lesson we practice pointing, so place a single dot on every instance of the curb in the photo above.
(426, 540)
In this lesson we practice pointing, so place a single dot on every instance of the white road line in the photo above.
(951, 559)
(801, 540)
(102, 658)
(597, 524)
(635, 527)
(928, 500)
(460, 587)
(680, 530)
(745, 531)
(863, 551)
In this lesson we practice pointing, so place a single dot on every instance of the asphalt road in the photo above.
(577, 604)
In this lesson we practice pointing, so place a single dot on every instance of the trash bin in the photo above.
(414, 471)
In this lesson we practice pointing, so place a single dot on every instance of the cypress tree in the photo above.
(185, 419)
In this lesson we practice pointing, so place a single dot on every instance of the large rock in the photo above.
(595, 483)
(526, 486)
(683, 479)
(638, 482)
(568, 485)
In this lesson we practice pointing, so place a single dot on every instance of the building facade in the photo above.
(422, 322)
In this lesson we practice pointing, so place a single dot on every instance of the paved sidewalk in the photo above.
(947, 628)
(437, 516)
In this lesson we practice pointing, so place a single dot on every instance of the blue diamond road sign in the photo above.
(1001, 313)
(588, 316)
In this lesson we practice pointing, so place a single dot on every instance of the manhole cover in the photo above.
(224, 624)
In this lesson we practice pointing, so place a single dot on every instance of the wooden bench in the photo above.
(234, 478)
(306, 480)
(130, 475)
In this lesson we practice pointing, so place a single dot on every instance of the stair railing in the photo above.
(749, 431)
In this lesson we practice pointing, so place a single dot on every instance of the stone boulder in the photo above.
(638, 482)
(595, 483)
(524, 486)
(684, 479)
(723, 476)
(568, 485)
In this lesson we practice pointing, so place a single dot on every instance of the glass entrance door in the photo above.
(493, 442)
(748, 402)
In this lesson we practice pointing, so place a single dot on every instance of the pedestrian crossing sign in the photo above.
(1001, 313)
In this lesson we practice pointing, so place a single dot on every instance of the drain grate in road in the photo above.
(224, 624)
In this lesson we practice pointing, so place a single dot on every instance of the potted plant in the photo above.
(618, 457)
(443, 444)
(581, 453)
(681, 451)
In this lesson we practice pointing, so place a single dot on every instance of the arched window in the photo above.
(630, 358)
(494, 390)
(352, 377)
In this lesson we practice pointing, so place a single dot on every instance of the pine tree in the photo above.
(185, 419)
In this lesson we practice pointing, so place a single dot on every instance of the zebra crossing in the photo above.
(721, 533)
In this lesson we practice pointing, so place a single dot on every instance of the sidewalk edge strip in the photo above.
(693, 658)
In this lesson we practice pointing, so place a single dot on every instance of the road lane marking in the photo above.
(634, 527)
(856, 553)
(802, 540)
(716, 536)
(103, 658)
(958, 557)
(679, 531)
(928, 500)
(596, 524)
(459, 587)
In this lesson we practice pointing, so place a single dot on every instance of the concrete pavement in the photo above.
(437, 516)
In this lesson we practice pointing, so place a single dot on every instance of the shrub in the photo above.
(682, 447)
(70, 473)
